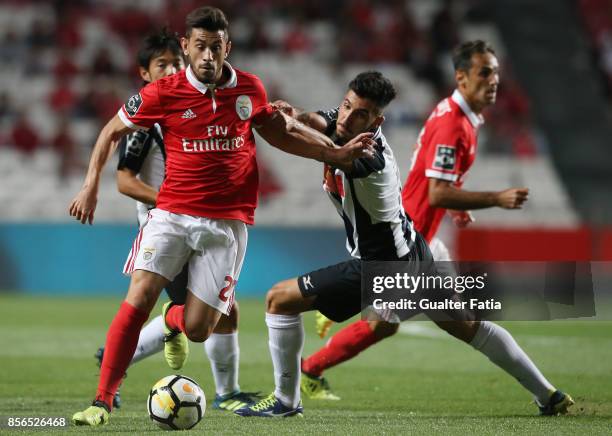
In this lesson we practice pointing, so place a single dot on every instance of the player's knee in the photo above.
(198, 332)
(142, 295)
(274, 298)
(278, 298)
(383, 329)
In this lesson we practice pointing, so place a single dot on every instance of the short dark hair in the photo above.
(208, 18)
(462, 54)
(155, 44)
(373, 86)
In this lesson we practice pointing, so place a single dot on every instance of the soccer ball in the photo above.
(176, 402)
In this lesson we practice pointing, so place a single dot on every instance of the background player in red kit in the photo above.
(209, 195)
(445, 151)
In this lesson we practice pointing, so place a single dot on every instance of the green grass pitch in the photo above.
(418, 382)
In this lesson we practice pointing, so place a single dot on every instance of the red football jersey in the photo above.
(211, 169)
(446, 148)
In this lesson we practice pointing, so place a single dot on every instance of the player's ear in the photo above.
(146, 76)
(460, 78)
(228, 48)
(184, 45)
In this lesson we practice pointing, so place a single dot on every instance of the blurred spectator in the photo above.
(444, 30)
(65, 66)
(41, 34)
(7, 110)
(62, 98)
(67, 33)
(130, 22)
(64, 145)
(34, 63)
(23, 136)
(350, 44)
(597, 17)
(102, 64)
(297, 39)
(361, 13)
(85, 106)
(258, 39)
(106, 103)
(11, 48)
(523, 142)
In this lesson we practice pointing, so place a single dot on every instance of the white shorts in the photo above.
(214, 249)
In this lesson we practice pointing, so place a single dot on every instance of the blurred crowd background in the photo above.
(67, 66)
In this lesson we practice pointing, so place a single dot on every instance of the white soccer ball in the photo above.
(176, 402)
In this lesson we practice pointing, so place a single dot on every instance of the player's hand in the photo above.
(461, 218)
(283, 106)
(360, 146)
(512, 198)
(84, 205)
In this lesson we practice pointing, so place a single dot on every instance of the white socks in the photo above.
(286, 339)
(500, 347)
(150, 341)
(222, 350)
(223, 353)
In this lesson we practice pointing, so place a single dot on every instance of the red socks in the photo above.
(345, 344)
(175, 317)
(121, 341)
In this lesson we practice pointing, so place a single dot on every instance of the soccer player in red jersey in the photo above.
(207, 114)
(140, 173)
(445, 151)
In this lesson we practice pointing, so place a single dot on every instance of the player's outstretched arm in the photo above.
(311, 119)
(292, 136)
(443, 194)
(83, 205)
(130, 185)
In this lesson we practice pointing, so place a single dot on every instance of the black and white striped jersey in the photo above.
(369, 201)
(143, 152)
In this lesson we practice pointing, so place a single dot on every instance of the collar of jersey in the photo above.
(377, 133)
(231, 83)
(476, 120)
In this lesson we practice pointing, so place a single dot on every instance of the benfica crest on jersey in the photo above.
(244, 107)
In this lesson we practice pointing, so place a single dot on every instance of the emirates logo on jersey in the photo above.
(244, 107)
(217, 140)
(212, 144)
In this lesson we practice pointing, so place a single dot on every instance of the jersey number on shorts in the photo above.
(225, 293)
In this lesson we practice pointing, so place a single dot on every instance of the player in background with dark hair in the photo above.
(140, 173)
(445, 151)
(207, 114)
(367, 197)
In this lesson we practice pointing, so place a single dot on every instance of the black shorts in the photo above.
(338, 287)
(177, 289)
